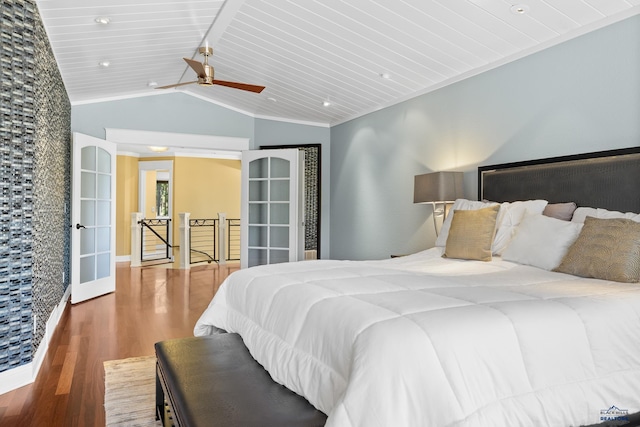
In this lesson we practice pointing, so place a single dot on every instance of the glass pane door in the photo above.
(270, 206)
(92, 211)
(95, 213)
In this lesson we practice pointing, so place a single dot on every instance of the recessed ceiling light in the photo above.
(385, 76)
(519, 9)
(104, 64)
(326, 103)
(158, 149)
(152, 84)
(103, 20)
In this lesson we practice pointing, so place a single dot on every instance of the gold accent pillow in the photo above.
(471, 234)
(607, 249)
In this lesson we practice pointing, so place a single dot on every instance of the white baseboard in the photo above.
(15, 378)
(123, 258)
(26, 374)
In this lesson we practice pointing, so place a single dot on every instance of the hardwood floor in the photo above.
(149, 305)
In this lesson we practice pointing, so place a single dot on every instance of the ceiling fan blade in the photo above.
(243, 86)
(197, 67)
(175, 85)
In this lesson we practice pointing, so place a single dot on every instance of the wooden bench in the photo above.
(214, 381)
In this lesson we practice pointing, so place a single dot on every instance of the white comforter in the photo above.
(426, 341)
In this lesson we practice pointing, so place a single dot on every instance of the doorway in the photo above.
(155, 188)
(312, 194)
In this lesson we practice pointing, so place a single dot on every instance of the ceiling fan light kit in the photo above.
(205, 74)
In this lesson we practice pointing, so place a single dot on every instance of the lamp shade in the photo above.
(438, 187)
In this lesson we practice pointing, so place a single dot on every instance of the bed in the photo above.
(427, 340)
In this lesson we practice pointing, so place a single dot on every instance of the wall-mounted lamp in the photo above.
(438, 187)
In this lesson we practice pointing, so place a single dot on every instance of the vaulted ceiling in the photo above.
(356, 56)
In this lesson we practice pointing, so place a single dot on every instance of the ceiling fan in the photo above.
(205, 74)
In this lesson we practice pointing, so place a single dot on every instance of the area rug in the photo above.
(130, 392)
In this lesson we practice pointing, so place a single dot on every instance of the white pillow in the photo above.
(541, 241)
(509, 217)
(581, 213)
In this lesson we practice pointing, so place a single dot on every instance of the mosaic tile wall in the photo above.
(312, 183)
(51, 184)
(34, 144)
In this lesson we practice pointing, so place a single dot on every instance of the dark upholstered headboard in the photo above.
(605, 179)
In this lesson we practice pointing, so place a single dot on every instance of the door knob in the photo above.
(79, 226)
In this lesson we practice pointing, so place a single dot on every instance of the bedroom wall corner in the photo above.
(579, 96)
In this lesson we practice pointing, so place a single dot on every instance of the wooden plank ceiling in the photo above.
(356, 55)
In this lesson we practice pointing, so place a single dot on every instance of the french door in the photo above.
(93, 184)
(272, 226)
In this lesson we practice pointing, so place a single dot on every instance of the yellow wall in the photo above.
(201, 186)
(126, 201)
(205, 187)
(150, 194)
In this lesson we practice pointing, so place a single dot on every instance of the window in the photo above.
(162, 198)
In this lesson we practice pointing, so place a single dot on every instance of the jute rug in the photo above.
(130, 391)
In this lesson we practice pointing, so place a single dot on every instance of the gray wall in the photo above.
(173, 112)
(579, 96)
